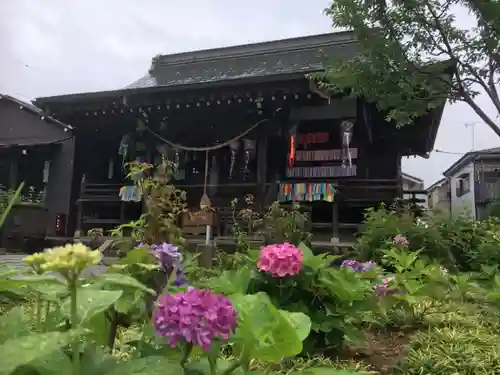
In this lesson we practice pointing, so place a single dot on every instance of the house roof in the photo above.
(412, 178)
(36, 111)
(436, 184)
(470, 157)
(294, 56)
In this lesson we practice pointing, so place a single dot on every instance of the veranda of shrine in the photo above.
(269, 132)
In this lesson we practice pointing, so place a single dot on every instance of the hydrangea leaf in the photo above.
(123, 281)
(268, 333)
(14, 323)
(148, 366)
(91, 302)
(26, 349)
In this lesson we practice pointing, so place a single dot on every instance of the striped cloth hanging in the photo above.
(307, 192)
(318, 172)
(323, 155)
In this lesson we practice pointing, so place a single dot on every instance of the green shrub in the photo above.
(452, 351)
(458, 243)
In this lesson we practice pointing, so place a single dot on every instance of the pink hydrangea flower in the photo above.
(400, 240)
(196, 316)
(280, 260)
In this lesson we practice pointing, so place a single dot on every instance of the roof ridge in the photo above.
(255, 49)
(34, 109)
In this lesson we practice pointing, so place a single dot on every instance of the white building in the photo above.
(474, 182)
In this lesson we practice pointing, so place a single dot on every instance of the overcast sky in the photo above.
(55, 47)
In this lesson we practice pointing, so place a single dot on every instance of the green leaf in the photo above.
(41, 279)
(231, 282)
(91, 302)
(50, 292)
(26, 349)
(55, 363)
(127, 301)
(202, 367)
(13, 324)
(95, 361)
(300, 322)
(138, 255)
(123, 281)
(266, 332)
(307, 253)
(147, 366)
(7, 271)
(100, 328)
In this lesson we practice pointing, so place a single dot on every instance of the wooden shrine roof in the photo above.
(296, 55)
(243, 63)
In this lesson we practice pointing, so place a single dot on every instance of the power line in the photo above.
(449, 152)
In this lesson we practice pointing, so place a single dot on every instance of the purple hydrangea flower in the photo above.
(166, 254)
(350, 263)
(358, 266)
(196, 316)
(385, 288)
(169, 257)
(367, 266)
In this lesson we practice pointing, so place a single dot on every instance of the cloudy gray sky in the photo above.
(55, 47)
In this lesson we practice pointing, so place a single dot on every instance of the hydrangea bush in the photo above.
(335, 298)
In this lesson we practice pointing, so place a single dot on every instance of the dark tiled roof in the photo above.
(257, 60)
(297, 55)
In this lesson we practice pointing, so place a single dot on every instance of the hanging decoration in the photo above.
(249, 147)
(346, 129)
(324, 155)
(180, 171)
(234, 145)
(321, 172)
(130, 193)
(124, 148)
(306, 192)
(306, 139)
(177, 157)
(291, 152)
(292, 145)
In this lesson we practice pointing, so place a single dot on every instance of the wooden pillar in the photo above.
(13, 174)
(79, 216)
(335, 222)
(262, 169)
(206, 254)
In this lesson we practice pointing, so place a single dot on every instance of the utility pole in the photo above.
(472, 125)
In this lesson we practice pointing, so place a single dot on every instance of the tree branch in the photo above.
(467, 98)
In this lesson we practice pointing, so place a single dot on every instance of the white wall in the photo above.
(463, 204)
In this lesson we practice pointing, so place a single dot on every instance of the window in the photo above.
(463, 184)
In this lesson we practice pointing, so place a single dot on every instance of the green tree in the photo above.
(406, 45)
